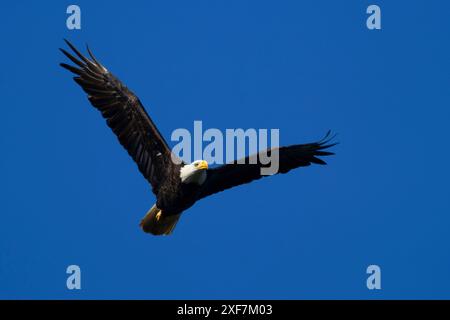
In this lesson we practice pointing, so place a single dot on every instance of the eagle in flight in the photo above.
(177, 186)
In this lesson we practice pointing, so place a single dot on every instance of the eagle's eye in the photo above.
(196, 164)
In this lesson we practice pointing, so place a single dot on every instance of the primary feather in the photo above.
(124, 114)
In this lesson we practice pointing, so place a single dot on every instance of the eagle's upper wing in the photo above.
(124, 114)
(291, 157)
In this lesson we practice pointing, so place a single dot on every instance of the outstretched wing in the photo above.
(291, 157)
(124, 114)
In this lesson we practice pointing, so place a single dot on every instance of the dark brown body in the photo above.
(174, 196)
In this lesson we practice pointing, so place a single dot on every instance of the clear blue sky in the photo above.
(71, 195)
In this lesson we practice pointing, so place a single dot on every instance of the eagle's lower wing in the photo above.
(291, 157)
(124, 114)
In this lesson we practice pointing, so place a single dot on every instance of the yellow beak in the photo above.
(203, 165)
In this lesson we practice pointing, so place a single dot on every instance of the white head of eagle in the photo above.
(194, 172)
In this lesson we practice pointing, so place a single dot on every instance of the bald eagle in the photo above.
(177, 186)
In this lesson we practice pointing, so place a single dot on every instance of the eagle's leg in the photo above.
(155, 222)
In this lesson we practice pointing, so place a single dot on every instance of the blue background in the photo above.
(71, 195)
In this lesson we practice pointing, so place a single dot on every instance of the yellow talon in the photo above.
(158, 216)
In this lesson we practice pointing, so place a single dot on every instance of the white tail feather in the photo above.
(156, 223)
